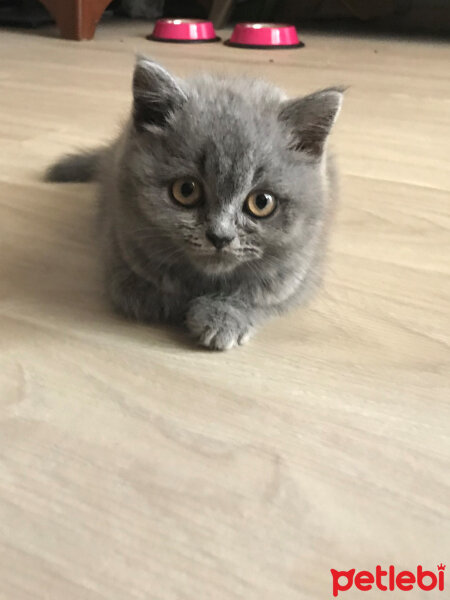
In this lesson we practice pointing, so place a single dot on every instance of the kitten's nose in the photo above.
(219, 241)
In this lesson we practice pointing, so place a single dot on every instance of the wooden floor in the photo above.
(136, 467)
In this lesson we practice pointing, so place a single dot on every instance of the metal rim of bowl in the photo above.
(264, 47)
(176, 41)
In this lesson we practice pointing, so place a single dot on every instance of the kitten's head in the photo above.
(228, 170)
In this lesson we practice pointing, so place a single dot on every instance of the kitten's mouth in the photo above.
(213, 260)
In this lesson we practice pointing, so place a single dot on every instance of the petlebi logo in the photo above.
(388, 579)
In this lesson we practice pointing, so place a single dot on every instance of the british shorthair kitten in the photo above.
(214, 201)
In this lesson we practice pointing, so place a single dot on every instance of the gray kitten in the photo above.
(214, 201)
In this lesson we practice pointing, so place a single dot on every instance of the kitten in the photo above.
(214, 201)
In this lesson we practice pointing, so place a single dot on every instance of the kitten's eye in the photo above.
(261, 204)
(187, 192)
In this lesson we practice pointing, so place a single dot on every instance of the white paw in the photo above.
(217, 325)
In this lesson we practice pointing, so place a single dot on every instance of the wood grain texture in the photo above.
(134, 466)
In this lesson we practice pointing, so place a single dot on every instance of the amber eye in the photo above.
(187, 192)
(261, 204)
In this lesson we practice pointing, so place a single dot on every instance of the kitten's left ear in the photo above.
(156, 94)
(311, 118)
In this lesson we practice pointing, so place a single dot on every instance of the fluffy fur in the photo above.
(234, 136)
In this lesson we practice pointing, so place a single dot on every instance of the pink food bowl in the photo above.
(183, 31)
(264, 35)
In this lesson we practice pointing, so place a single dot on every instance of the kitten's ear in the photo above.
(156, 95)
(311, 118)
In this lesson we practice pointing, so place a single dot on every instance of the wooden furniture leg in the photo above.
(76, 19)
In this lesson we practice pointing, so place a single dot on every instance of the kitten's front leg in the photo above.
(134, 297)
(142, 300)
(220, 322)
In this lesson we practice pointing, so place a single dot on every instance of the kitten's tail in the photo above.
(75, 167)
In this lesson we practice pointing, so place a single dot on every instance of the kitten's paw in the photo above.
(217, 324)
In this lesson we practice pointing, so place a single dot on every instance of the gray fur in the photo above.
(75, 167)
(234, 136)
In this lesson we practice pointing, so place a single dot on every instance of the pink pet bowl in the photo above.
(183, 31)
(264, 35)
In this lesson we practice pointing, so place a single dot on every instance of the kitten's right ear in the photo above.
(156, 95)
